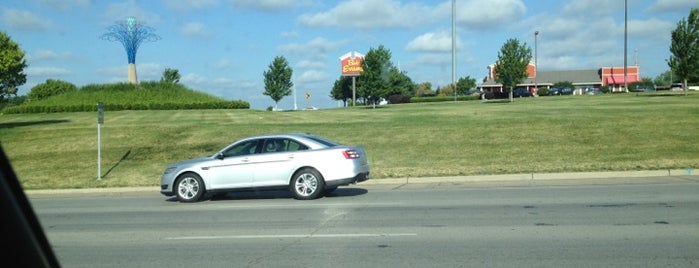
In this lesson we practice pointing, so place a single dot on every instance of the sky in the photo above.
(223, 47)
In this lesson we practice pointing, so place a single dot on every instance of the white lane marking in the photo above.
(287, 236)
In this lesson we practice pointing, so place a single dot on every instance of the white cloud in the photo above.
(483, 15)
(119, 12)
(652, 28)
(46, 55)
(318, 47)
(222, 64)
(46, 71)
(439, 59)
(149, 71)
(66, 4)
(312, 76)
(24, 20)
(188, 5)
(307, 64)
(433, 42)
(266, 5)
(371, 14)
(673, 6)
(194, 29)
(590, 8)
(290, 34)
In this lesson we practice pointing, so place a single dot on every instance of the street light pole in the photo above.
(536, 63)
(453, 47)
(626, 86)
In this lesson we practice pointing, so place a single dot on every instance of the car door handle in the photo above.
(245, 160)
(291, 156)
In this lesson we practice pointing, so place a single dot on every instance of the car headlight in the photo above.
(170, 170)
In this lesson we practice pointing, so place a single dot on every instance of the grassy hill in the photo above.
(546, 134)
(124, 96)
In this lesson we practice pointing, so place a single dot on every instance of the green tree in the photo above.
(342, 89)
(424, 89)
(278, 79)
(399, 84)
(374, 80)
(684, 61)
(171, 76)
(12, 66)
(641, 86)
(664, 79)
(464, 85)
(512, 63)
(50, 88)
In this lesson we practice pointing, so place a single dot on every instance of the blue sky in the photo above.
(222, 47)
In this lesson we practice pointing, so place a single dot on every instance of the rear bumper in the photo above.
(343, 182)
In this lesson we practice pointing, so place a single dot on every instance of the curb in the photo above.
(417, 180)
(539, 176)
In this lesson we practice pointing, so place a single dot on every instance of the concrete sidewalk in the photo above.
(540, 176)
(417, 180)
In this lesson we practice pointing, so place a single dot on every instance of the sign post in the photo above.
(351, 64)
(100, 121)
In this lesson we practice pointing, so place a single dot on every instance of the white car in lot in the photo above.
(307, 165)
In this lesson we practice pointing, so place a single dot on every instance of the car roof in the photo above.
(307, 138)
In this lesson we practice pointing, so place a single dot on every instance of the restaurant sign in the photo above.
(351, 63)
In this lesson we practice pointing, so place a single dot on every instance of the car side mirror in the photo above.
(219, 156)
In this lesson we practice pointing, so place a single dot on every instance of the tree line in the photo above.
(381, 79)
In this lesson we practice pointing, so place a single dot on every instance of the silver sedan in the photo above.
(307, 165)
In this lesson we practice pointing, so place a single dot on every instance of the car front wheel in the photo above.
(190, 187)
(307, 184)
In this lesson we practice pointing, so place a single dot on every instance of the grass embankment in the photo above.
(547, 134)
(123, 96)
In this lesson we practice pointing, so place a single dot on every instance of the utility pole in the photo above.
(536, 63)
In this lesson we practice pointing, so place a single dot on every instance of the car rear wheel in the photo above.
(190, 187)
(307, 184)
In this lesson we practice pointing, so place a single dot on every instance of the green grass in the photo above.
(546, 134)
(122, 96)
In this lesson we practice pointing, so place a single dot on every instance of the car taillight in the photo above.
(351, 154)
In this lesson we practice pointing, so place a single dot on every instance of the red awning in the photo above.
(619, 79)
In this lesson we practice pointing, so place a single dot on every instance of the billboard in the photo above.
(351, 63)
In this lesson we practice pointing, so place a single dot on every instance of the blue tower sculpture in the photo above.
(131, 34)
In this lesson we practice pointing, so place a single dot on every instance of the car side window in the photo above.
(275, 145)
(244, 148)
(296, 146)
(282, 145)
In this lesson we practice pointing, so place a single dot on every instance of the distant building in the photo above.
(581, 79)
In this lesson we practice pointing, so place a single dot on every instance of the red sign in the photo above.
(351, 64)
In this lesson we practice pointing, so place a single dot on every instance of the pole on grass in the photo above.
(100, 121)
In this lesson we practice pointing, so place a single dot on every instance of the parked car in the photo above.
(560, 91)
(307, 165)
(593, 91)
(521, 92)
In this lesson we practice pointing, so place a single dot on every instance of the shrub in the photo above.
(397, 99)
(50, 88)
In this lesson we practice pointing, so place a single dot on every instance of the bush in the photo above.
(397, 99)
(444, 98)
(50, 88)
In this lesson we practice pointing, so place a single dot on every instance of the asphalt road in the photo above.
(638, 222)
